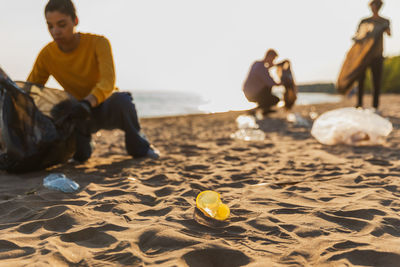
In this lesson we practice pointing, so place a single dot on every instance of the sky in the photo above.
(203, 47)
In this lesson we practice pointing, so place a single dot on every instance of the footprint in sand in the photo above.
(9, 250)
(351, 224)
(231, 158)
(165, 191)
(196, 167)
(30, 228)
(157, 180)
(221, 257)
(109, 194)
(191, 150)
(123, 258)
(121, 254)
(242, 176)
(369, 258)
(298, 188)
(147, 200)
(240, 149)
(289, 211)
(53, 219)
(366, 214)
(154, 242)
(389, 226)
(105, 207)
(379, 162)
(61, 223)
(153, 212)
(93, 237)
(240, 184)
(269, 229)
(223, 141)
(326, 199)
(311, 233)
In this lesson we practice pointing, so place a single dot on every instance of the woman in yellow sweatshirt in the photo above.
(83, 65)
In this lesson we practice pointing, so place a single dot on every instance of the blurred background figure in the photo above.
(380, 26)
(366, 52)
(258, 85)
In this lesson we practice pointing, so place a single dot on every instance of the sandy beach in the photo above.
(293, 201)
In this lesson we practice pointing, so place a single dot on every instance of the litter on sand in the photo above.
(58, 181)
(248, 129)
(209, 202)
(351, 126)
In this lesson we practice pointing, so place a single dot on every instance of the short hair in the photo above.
(378, 3)
(63, 6)
(271, 52)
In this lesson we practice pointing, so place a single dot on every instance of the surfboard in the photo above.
(360, 55)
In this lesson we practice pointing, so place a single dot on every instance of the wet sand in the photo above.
(294, 202)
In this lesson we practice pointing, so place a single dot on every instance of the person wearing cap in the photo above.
(381, 25)
(258, 84)
(83, 65)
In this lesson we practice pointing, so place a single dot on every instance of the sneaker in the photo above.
(153, 153)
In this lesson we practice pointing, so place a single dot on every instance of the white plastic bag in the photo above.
(351, 126)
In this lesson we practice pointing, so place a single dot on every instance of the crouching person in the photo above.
(258, 85)
(83, 65)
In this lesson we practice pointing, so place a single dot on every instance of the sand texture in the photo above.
(294, 202)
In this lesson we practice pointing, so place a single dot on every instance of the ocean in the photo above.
(160, 103)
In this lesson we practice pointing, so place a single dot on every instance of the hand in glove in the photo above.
(81, 110)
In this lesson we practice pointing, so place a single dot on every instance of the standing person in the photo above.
(380, 26)
(83, 65)
(258, 85)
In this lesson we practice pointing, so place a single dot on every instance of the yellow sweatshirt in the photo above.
(89, 69)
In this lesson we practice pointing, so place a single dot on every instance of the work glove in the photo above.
(81, 110)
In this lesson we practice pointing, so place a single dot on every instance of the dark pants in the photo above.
(265, 99)
(116, 112)
(376, 69)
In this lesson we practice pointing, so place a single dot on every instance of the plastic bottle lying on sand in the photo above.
(58, 181)
(248, 129)
(298, 120)
(209, 202)
(249, 135)
(245, 121)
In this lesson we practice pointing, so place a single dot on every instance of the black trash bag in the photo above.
(35, 128)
